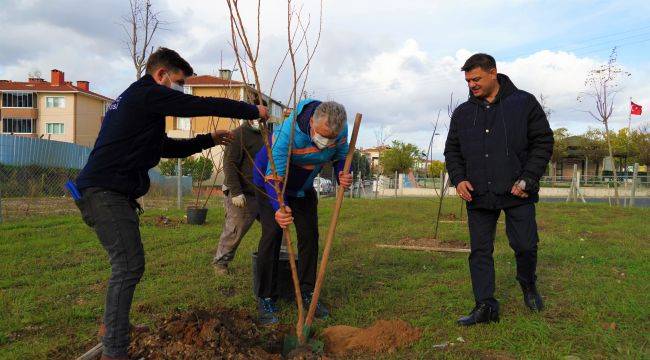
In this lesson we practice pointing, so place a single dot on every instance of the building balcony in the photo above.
(19, 113)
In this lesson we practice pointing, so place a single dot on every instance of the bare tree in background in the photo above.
(543, 101)
(603, 84)
(140, 26)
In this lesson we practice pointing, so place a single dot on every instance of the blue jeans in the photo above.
(115, 220)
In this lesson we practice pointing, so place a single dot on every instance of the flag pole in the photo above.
(627, 143)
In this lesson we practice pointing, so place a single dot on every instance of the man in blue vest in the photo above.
(320, 136)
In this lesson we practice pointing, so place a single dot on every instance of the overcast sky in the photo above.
(397, 62)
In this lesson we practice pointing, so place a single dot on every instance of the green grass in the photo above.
(593, 270)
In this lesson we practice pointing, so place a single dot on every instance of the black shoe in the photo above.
(267, 310)
(321, 310)
(482, 313)
(532, 298)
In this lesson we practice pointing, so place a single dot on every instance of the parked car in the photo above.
(325, 185)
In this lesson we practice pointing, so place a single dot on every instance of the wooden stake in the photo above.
(332, 228)
(423, 248)
(93, 353)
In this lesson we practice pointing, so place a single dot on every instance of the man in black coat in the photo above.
(131, 141)
(498, 147)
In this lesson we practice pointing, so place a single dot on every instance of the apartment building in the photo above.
(55, 110)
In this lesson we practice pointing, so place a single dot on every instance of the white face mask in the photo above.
(321, 141)
(174, 86)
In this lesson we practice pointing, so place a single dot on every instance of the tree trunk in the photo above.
(554, 172)
(611, 155)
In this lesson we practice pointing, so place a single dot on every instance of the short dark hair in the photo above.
(169, 59)
(480, 60)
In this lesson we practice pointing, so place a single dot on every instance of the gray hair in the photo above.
(333, 113)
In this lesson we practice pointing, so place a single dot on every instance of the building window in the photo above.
(54, 128)
(276, 110)
(54, 101)
(18, 99)
(18, 126)
(183, 123)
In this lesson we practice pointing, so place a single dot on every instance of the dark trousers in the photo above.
(305, 219)
(521, 229)
(115, 220)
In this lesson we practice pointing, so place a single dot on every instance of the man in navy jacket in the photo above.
(498, 147)
(131, 141)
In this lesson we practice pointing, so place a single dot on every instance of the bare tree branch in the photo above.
(140, 27)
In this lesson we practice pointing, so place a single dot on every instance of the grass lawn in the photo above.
(593, 273)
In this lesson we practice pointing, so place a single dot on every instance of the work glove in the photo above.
(239, 201)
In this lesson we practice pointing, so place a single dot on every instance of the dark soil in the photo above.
(216, 334)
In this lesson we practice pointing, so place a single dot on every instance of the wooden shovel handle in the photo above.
(332, 228)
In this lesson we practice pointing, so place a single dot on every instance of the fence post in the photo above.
(179, 190)
(396, 182)
(634, 178)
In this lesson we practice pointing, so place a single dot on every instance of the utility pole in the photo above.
(179, 190)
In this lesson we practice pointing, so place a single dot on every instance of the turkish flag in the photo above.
(636, 109)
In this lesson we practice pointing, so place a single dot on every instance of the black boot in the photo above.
(532, 298)
(482, 313)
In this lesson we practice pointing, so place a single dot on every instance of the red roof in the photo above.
(210, 80)
(44, 86)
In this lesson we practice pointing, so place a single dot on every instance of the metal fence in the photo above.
(633, 190)
(33, 173)
(23, 151)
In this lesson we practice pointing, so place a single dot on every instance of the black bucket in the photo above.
(284, 288)
(196, 216)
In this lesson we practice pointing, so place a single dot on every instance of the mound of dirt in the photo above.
(218, 334)
(384, 336)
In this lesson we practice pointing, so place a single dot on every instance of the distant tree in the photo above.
(399, 157)
(168, 167)
(435, 167)
(642, 141)
(603, 83)
(559, 149)
(199, 169)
